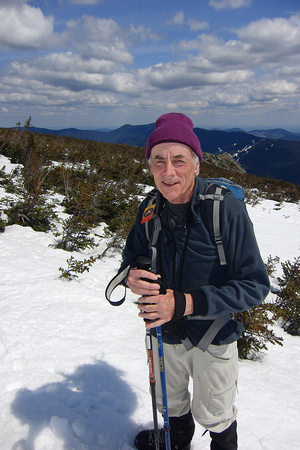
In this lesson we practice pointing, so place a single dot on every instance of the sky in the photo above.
(105, 63)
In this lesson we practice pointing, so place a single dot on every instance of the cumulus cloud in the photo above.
(24, 27)
(13, 3)
(247, 70)
(85, 2)
(229, 4)
(197, 26)
(289, 71)
(194, 25)
(173, 76)
(266, 42)
(217, 53)
(99, 38)
(71, 72)
(95, 65)
(142, 33)
(271, 34)
(272, 89)
(178, 19)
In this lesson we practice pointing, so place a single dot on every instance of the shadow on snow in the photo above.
(89, 409)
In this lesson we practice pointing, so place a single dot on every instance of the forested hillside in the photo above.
(86, 195)
(98, 182)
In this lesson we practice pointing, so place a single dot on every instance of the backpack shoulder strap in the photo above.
(152, 199)
(212, 198)
(121, 276)
(153, 226)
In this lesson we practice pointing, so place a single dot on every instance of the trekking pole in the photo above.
(163, 388)
(145, 263)
(152, 387)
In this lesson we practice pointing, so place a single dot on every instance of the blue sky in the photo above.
(105, 63)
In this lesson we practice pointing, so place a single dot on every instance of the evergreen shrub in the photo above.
(258, 333)
(289, 296)
(74, 267)
(104, 183)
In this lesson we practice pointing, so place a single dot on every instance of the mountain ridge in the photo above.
(277, 133)
(260, 155)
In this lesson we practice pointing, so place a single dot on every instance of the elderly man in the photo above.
(198, 289)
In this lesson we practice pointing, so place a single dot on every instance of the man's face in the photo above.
(173, 168)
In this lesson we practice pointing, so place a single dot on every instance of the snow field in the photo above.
(73, 372)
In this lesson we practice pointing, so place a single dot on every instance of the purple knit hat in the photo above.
(174, 127)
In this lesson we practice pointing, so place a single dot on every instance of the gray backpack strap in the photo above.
(213, 330)
(153, 240)
(218, 197)
(156, 228)
(121, 277)
(214, 217)
(210, 334)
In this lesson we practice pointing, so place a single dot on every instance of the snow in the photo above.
(74, 371)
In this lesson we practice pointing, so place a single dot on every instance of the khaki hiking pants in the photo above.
(214, 383)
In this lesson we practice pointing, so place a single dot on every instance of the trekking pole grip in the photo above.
(144, 263)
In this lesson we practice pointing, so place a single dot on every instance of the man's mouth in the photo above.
(170, 184)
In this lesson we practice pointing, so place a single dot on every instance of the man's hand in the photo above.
(138, 285)
(157, 309)
(153, 305)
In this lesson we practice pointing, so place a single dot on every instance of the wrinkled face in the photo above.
(173, 167)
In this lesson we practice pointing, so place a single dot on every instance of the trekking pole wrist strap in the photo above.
(120, 278)
(180, 305)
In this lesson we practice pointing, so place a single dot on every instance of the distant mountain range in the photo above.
(272, 153)
(277, 133)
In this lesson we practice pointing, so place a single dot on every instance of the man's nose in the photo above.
(169, 169)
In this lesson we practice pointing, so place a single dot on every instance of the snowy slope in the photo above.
(73, 369)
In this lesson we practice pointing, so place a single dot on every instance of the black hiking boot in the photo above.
(181, 433)
(227, 440)
(146, 440)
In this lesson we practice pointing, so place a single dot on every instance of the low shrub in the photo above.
(289, 296)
